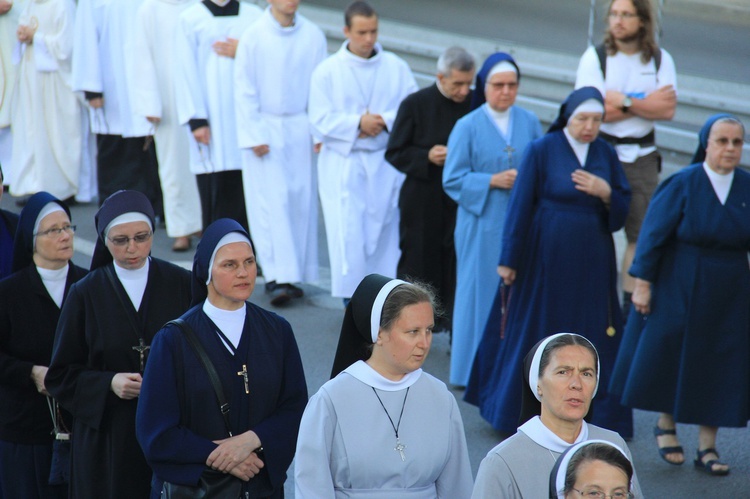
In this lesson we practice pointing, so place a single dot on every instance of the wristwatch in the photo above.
(626, 103)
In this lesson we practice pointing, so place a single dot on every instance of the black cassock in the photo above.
(428, 216)
(94, 341)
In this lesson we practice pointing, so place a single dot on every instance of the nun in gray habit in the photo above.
(561, 377)
(382, 427)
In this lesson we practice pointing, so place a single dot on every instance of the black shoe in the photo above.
(280, 296)
(270, 286)
(293, 291)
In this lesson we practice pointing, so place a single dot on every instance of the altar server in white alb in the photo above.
(152, 91)
(206, 45)
(102, 60)
(275, 60)
(9, 12)
(354, 98)
(49, 122)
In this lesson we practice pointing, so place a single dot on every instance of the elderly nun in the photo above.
(30, 301)
(382, 427)
(594, 468)
(484, 150)
(557, 262)
(181, 425)
(102, 344)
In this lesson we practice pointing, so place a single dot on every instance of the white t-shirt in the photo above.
(627, 74)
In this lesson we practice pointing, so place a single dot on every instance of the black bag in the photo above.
(212, 485)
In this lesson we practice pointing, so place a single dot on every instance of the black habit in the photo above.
(28, 318)
(428, 216)
(94, 341)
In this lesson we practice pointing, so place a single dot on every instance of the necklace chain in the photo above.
(399, 446)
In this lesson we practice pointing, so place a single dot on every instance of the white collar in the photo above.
(275, 23)
(536, 431)
(581, 149)
(362, 371)
(361, 61)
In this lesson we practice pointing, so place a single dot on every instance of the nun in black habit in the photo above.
(180, 425)
(30, 301)
(102, 344)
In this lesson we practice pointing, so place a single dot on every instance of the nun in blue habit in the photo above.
(102, 343)
(30, 301)
(557, 263)
(180, 425)
(686, 346)
(484, 149)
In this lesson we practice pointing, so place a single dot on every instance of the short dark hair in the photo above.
(564, 341)
(596, 452)
(404, 295)
(646, 36)
(358, 8)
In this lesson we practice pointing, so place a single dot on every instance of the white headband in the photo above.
(48, 209)
(562, 469)
(588, 106)
(377, 306)
(131, 216)
(232, 237)
(502, 67)
(534, 369)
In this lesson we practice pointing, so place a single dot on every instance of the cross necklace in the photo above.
(399, 446)
(141, 348)
(233, 349)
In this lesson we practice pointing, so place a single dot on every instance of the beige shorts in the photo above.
(643, 177)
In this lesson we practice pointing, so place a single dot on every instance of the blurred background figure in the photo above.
(50, 129)
(10, 10)
(417, 148)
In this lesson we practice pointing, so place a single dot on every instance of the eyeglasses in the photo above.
(724, 141)
(598, 494)
(70, 229)
(125, 240)
(622, 15)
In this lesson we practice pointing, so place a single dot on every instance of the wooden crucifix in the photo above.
(243, 373)
(141, 348)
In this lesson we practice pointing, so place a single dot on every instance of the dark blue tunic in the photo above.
(689, 357)
(178, 416)
(559, 240)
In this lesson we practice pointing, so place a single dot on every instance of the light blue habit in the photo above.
(476, 151)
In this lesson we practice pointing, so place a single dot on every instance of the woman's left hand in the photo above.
(233, 451)
(592, 185)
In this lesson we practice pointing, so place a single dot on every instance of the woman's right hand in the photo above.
(127, 386)
(507, 274)
(642, 296)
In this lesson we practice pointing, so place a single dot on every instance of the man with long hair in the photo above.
(638, 80)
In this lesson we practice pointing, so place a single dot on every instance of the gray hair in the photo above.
(455, 58)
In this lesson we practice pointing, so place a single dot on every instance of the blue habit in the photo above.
(559, 240)
(690, 357)
(179, 417)
(476, 151)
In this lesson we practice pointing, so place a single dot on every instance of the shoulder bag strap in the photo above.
(213, 376)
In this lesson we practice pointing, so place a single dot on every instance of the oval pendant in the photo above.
(610, 331)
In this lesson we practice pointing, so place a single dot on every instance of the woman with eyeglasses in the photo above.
(30, 301)
(685, 350)
(595, 469)
(102, 344)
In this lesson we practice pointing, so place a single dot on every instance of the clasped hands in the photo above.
(25, 34)
(237, 456)
(370, 125)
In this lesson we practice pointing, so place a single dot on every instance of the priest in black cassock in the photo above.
(417, 148)
(101, 346)
(179, 424)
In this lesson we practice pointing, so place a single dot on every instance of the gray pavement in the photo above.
(707, 38)
(316, 320)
